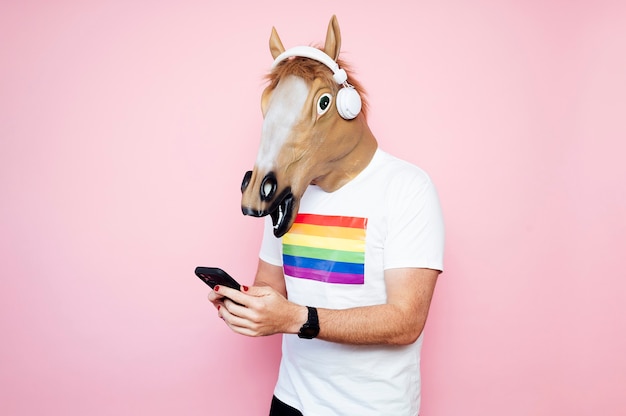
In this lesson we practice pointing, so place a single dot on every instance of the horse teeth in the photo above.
(279, 220)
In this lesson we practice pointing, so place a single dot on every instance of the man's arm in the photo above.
(269, 275)
(400, 321)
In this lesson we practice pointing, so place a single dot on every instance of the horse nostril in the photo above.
(268, 187)
(246, 180)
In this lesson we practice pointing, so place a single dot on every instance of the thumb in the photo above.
(256, 290)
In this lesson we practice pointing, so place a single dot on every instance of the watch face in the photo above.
(308, 331)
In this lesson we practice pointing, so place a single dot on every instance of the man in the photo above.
(347, 270)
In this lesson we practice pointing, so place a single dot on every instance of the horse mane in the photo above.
(309, 70)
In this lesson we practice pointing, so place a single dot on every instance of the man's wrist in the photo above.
(300, 317)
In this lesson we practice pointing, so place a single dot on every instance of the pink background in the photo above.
(125, 130)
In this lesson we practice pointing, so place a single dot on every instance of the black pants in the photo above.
(279, 408)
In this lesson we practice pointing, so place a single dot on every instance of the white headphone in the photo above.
(348, 99)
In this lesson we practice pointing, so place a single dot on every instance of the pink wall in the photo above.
(126, 127)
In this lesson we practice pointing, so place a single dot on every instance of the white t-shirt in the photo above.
(334, 257)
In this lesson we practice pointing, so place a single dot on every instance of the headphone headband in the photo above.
(348, 100)
(339, 74)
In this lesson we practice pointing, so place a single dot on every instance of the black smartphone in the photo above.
(213, 276)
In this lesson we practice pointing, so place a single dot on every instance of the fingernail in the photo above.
(218, 307)
(216, 288)
(245, 288)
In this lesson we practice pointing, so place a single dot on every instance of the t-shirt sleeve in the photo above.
(416, 230)
(271, 247)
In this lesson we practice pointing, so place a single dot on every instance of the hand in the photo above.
(258, 311)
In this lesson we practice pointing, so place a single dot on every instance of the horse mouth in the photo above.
(283, 213)
(282, 210)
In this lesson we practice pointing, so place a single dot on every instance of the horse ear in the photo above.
(333, 39)
(276, 46)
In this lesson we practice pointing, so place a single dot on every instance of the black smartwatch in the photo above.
(311, 327)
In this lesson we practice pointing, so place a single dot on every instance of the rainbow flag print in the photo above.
(328, 249)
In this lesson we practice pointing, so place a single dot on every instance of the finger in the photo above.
(216, 300)
(240, 311)
(234, 322)
(232, 294)
(257, 290)
(214, 297)
(238, 324)
(218, 304)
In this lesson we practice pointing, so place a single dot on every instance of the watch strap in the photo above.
(311, 327)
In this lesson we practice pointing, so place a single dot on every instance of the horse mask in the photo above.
(314, 130)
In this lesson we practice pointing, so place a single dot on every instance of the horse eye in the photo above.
(323, 104)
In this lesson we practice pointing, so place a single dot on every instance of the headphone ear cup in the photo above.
(348, 102)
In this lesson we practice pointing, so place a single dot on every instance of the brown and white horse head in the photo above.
(314, 130)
